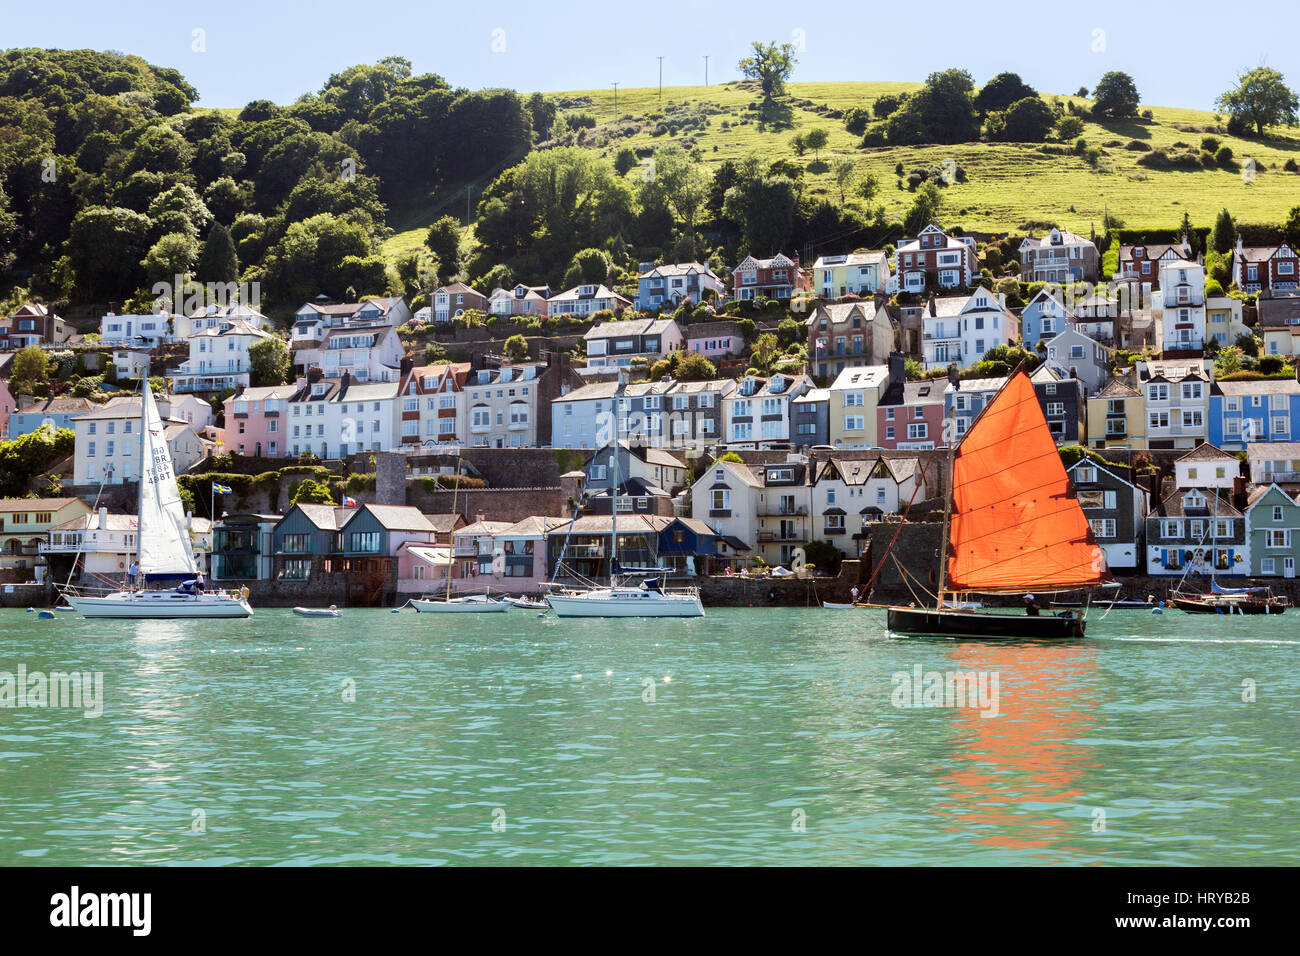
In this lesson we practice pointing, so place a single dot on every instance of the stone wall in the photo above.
(27, 595)
(495, 504)
(733, 590)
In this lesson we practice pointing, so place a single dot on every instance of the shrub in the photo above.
(1290, 166)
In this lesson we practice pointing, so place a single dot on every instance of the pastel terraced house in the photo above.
(1262, 410)
(776, 278)
(1117, 416)
(526, 300)
(856, 273)
(715, 340)
(1273, 528)
(257, 421)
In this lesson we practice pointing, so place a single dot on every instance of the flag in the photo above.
(221, 489)
(349, 502)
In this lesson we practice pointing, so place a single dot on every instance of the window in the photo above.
(721, 500)
(1085, 474)
(1056, 408)
(1171, 528)
(917, 431)
(364, 542)
(296, 544)
(1277, 538)
(1192, 419)
(1191, 390)
(1267, 566)
(1158, 393)
(853, 423)
(1158, 419)
(1103, 527)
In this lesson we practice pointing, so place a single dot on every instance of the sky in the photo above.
(236, 51)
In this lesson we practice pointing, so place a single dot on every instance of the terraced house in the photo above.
(1116, 510)
(432, 404)
(911, 415)
(856, 273)
(757, 413)
(849, 492)
(854, 396)
(218, 359)
(845, 334)
(1117, 416)
(1197, 531)
(1260, 410)
(1279, 323)
(1177, 397)
(1273, 527)
(510, 406)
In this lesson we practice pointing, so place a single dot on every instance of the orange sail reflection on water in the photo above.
(1026, 754)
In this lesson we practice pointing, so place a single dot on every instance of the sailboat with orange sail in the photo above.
(1012, 525)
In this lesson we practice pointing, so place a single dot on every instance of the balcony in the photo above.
(769, 537)
(1282, 477)
(719, 512)
(768, 511)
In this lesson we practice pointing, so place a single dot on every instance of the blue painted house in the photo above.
(1266, 410)
(306, 541)
(1044, 317)
(58, 412)
(681, 540)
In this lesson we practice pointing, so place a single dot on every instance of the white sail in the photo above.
(163, 528)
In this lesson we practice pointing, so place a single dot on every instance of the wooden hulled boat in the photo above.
(1012, 524)
(1221, 600)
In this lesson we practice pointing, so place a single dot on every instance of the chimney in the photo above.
(480, 516)
(406, 365)
(103, 519)
(314, 374)
(898, 368)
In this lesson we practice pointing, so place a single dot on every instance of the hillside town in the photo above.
(774, 418)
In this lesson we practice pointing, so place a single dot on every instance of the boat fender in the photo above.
(243, 593)
(121, 565)
(1156, 610)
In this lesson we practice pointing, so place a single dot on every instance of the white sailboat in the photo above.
(163, 551)
(465, 603)
(619, 599)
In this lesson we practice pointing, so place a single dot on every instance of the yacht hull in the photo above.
(937, 623)
(459, 606)
(633, 603)
(160, 605)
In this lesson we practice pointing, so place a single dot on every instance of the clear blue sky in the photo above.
(1182, 55)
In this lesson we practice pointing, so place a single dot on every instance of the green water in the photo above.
(771, 739)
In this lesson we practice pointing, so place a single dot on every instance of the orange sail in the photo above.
(1016, 523)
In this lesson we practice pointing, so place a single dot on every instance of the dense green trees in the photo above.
(29, 455)
(1001, 91)
(942, 111)
(269, 361)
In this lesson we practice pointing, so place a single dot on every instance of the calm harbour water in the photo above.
(761, 720)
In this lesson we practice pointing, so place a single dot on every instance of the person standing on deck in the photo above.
(133, 573)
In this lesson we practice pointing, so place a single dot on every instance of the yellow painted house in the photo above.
(1117, 417)
(1223, 319)
(854, 395)
(25, 524)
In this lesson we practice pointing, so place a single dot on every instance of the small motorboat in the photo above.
(528, 604)
(835, 606)
(330, 611)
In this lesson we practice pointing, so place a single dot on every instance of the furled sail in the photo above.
(164, 531)
(1016, 523)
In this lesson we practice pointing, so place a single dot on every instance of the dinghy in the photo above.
(330, 611)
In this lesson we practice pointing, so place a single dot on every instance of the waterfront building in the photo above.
(1116, 510)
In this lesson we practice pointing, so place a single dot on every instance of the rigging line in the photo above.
(907, 577)
(866, 589)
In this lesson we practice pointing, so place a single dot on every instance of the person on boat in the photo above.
(132, 573)
(853, 593)
(1031, 608)
(198, 583)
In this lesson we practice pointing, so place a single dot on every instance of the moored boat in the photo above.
(330, 611)
(1011, 524)
(467, 604)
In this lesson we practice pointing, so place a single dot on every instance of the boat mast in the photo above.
(139, 498)
(950, 430)
(614, 476)
(451, 558)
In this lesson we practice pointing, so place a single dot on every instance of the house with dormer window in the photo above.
(1059, 256)
(961, 329)
(315, 321)
(1197, 531)
(1139, 265)
(1259, 410)
(934, 258)
(856, 273)
(218, 358)
(587, 300)
(776, 278)
(850, 492)
(1044, 316)
(671, 285)
(757, 413)
(1116, 416)
(528, 300)
(1177, 400)
(725, 497)
(1178, 306)
(431, 404)
(1256, 268)
(843, 334)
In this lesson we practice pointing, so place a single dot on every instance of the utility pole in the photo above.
(661, 81)
(615, 85)
(706, 69)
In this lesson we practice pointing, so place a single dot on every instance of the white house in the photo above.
(617, 343)
(676, 283)
(725, 497)
(369, 353)
(1206, 467)
(334, 418)
(1178, 306)
(848, 492)
(757, 413)
(586, 300)
(218, 357)
(107, 446)
(314, 320)
(143, 330)
(1177, 399)
(962, 328)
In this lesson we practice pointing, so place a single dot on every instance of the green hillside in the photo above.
(1007, 185)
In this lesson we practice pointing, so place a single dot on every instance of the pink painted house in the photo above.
(7, 404)
(255, 421)
(523, 549)
(721, 339)
(910, 415)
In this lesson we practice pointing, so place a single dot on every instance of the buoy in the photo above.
(46, 615)
(394, 610)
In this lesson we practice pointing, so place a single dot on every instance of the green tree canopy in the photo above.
(1261, 98)
(1116, 96)
(1001, 91)
(311, 491)
(218, 261)
(1223, 238)
(269, 360)
(770, 65)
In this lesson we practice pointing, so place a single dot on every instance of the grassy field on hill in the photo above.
(1007, 185)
